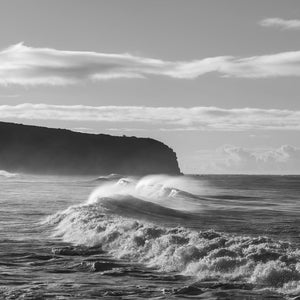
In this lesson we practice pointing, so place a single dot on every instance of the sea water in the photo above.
(152, 237)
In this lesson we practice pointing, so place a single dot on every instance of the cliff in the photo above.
(41, 150)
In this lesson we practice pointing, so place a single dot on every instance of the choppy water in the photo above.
(158, 237)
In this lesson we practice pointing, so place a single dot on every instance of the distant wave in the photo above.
(109, 177)
(115, 219)
(6, 174)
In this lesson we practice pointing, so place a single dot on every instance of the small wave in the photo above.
(6, 174)
(176, 192)
(109, 177)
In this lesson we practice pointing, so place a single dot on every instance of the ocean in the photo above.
(154, 237)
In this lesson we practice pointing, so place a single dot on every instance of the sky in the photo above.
(218, 81)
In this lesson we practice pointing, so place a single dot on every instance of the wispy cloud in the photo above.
(164, 118)
(281, 23)
(24, 65)
(233, 159)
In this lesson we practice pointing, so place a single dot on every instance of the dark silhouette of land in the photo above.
(41, 150)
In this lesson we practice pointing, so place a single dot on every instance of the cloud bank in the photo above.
(23, 65)
(164, 118)
(233, 159)
(281, 23)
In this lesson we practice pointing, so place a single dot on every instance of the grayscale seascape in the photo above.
(158, 237)
(149, 149)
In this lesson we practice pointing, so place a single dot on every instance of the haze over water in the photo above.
(159, 237)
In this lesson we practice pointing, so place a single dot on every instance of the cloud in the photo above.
(23, 65)
(281, 23)
(163, 118)
(9, 96)
(233, 159)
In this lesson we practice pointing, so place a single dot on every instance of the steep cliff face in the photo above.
(44, 150)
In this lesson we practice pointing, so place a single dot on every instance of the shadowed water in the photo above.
(158, 237)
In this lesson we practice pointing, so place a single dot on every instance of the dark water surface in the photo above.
(157, 237)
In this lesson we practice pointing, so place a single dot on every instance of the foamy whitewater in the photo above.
(162, 237)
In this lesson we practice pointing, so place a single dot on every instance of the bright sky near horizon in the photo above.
(218, 81)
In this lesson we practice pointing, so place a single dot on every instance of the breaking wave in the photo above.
(120, 218)
(6, 174)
